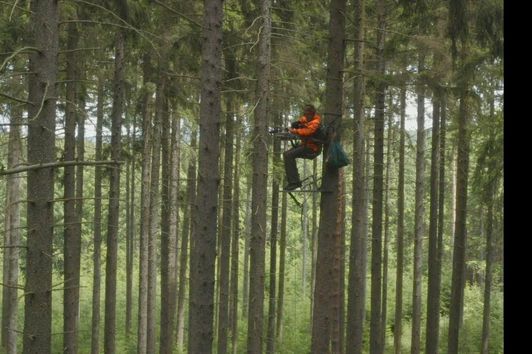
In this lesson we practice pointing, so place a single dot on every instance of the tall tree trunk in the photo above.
(271, 337)
(97, 257)
(337, 337)
(235, 246)
(376, 242)
(259, 186)
(323, 317)
(114, 196)
(72, 229)
(398, 317)
(460, 236)
(356, 305)
(203, 246)
(153, 260)
(433, 295)
(314, 241)
(12, 234)
(169, 226)
(489, 201)
(131, 231)
(80, 156)
(247, 236)
(186, 232)
(389, 153)
(129, 234)
(419, 214)
(282, 266)
(225, 239)
(454, 172)
(43, 28)
(147, 104)
(442, 186)
(304, 237)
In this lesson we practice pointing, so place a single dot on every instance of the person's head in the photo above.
(309, 111)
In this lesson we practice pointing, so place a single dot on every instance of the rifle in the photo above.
(282, 134)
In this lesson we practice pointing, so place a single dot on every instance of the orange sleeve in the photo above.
(309, 129)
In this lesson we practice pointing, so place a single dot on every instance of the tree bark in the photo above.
(155, 195)
(389, 153)
(72, 228)
(203, 247)
(225, 239)
(259, 186)
(97, 257)
(147, 104)
(376, 242)
(114, 196)
(12, 235)
(130, 222)
(489, 201)
(186, 232)
(337, 337)
(398, 317)
(356, 305)
(282, 266)
(460, 235)
(433, 295)
(235, 247)
(271, 337)
(419, 214)
(43, 28)
(169, 226)
(247, 236)
(323, 317)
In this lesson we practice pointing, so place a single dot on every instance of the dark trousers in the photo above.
(290, 156)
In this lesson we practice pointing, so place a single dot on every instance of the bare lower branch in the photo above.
(79, 50)
(15, 53)
(15, 99)
(178, 13)
(12, 286)
(58, 164)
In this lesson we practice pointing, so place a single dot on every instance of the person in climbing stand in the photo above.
(305, 127)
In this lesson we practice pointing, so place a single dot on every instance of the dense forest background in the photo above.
(143, 196)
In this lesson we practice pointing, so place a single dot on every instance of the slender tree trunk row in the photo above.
(398, 317)
(324, 318)
(433, 295)
(114, 196)
(378, 181)
(43, 29)
(356, 305)
(419, 214)
(203, 245)
(259, 186)
(12, 236)
(97, 256)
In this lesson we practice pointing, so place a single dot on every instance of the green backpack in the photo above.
(336, 157)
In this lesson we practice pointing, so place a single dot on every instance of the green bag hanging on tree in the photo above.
(337, 157)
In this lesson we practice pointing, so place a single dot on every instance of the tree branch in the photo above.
(179, 14)
(15, 53)
(57, 164)
(15, 99)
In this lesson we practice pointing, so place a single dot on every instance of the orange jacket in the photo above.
(307, 130)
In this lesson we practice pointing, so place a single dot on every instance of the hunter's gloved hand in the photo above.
(295, 125)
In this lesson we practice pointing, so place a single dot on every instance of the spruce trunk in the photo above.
(323, 316)
(203, 245)
(43, 27)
